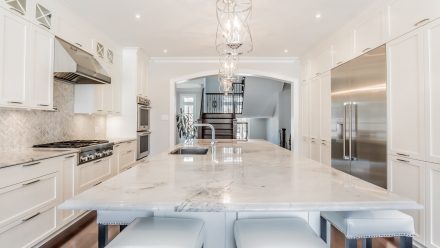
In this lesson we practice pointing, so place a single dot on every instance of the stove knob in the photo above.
(83, 158)
(99, 155)
(90, 157)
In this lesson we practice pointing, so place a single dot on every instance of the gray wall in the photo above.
(281, 117)
(257, 128)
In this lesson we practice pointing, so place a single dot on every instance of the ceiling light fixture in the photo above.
(138, 16)
(286, 51)
(165, 51)
(318, 15)
(233, 39)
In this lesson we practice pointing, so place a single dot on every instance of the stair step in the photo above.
(218, 132)
(217, 116)
(220, 126)
(219, 121)
(219, 136)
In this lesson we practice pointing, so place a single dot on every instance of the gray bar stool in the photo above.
(366, 225)
(153, 232)
(275, 233)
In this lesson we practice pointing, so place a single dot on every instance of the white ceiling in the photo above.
(187, 27)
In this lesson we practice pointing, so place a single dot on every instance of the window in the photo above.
(187, 103)
(43, 16)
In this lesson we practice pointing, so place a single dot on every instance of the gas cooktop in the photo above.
(72, 144)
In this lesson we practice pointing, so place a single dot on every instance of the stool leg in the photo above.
(323, 229)
(350, 243)
(367, 243)
(406, 242)
(102, 235)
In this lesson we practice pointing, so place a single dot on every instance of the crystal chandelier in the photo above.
(233, 39)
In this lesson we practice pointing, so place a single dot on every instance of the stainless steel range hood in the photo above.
(74, 65)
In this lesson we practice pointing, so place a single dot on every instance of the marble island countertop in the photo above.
(27, 155)
(236, 176)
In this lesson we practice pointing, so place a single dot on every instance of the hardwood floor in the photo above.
(87, 237)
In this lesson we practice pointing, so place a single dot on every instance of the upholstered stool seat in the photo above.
(275, 233)
(370, 224)
(161, 232)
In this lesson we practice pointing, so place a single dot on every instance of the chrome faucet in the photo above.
(213, 141)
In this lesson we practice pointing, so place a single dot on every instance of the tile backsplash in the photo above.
(25, 128)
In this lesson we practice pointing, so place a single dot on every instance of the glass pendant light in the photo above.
(228, 73)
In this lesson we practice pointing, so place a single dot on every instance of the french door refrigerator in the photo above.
(359, 117)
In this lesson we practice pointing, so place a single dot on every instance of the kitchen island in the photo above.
(236, 179)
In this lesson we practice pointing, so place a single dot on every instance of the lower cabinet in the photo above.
(125, 155)
(433, 206)
(93, 173)
(69, 163)
(408, 179)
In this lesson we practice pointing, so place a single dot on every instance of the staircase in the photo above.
(223, 124)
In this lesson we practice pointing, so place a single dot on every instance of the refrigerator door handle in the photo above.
(344, 134)
(353, 129)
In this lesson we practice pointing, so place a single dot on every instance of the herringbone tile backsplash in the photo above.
(25, 128)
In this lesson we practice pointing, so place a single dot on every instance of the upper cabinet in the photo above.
(14, 56)
(17, 6)
(72, 32)
(406, 15)
(321, 61)
(370, 32)
(342, 48)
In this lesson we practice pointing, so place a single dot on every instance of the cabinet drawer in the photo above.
(21, 199)
(126, 158)
(20, 173)
(93, 173)
(29, 230)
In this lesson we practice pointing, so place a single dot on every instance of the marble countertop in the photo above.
(120, 140)
(26, 155)
(236, 176)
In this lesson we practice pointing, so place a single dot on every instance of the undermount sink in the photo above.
(190, 151)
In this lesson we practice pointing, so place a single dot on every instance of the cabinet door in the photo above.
(100, 92)
(42, 50)
(69, 165)
(315, 119)
(305, 118)
(408, 180)
(342, 48)
(433, 206)
(14, 56)
(326, 150)
(325, 108)
(432, 55)
(406, 15)
(370, 33)
(117, 83)
(406, 96)
(93, 173)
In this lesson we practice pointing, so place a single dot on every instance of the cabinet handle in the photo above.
(43, 105)
(97, 184)
(402, 160)
(97, 161)
(402, 154)
(340, 62)
(29, 183)
(323, 143)
(15, 102)
(27, 165)
(78, 44)
(71, 156)
(420, 22)
(31, 217)
(44, 25)
(16, 10)
(366, 50)
(129, 151)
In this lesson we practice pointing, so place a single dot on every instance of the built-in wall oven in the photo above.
(143, 114)
(143, 127)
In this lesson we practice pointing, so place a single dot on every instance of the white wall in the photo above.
(164, 72)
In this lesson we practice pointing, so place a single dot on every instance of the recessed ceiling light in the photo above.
(318, 15)
(165, 51)
(138, 16)
(286, 51)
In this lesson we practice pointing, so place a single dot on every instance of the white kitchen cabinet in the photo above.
(74, 33)
(125, 155)
(315, 119)
(19, 7)
(93, 99)
(321, 61)
(142, 74)
(408, 179)
(93, 173)
(325, 120)
(117, 84)
(305, 119)
(69, 163)
(433, 206)
(342, 48)
(14, 59)
(406, 96)
(406, 15)
(41, 77)
(370, 32)
(432, 65)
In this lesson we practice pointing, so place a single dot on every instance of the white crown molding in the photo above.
(274, 60)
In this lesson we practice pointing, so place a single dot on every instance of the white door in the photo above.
(406, 96)
(432, 58)
(305, 119)
(406, 15)
(14, 58)
(433, 206)
(370, 32)
(408, 180)
(42, 52)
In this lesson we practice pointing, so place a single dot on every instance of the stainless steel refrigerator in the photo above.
(359, 117)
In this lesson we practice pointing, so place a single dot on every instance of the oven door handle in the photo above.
(144, 134)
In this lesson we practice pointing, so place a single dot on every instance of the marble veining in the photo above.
(236, 176)
(16, 157)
